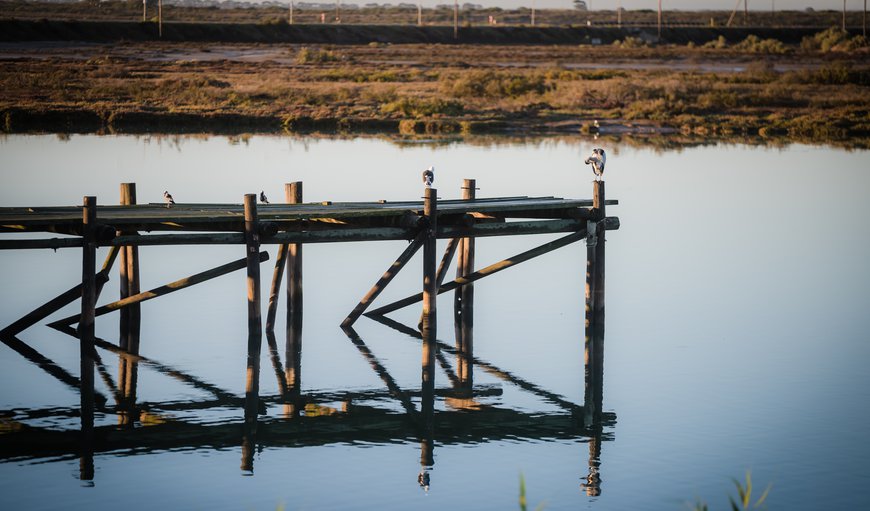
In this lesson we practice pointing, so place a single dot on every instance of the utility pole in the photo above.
(619, 13)
(291, 12)
(864, 20)
(533, 13)
(144, 11)
(745, 13)
(419, 15)
(455, 19)
(844, 15)
(660, 19)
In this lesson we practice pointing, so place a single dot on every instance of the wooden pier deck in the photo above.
(316, 222)
(421, 223)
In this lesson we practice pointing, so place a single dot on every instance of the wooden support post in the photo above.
(293, 343)
(255, 332)
(594, 345)
(428, 325)
(129, 281)
(86, 333)
(293, 192)
(463, 301)
(385, 279)
(275, 289)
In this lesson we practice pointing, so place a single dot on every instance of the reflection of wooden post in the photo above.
(293, 346)
(252, 245)
(429, 323)
(463, 302)
(592, 486)
(595, 305)
(86, 335)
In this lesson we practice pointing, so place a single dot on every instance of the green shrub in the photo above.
(308, 55)
(631, 42)
(716, 44)
(825, 41)
(494, 84)
(420, 107)
(754, 44)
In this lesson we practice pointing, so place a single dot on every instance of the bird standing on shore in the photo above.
(429, 176)
(597, 160)
(167, 198)
(263, 198)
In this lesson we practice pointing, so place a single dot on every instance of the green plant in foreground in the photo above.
(744, 497)
(523, 496)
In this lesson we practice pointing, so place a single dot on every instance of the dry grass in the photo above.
(455, 88)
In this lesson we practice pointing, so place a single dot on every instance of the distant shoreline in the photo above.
(84, 77)
(12, 30)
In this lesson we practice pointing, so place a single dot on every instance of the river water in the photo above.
(736, 339)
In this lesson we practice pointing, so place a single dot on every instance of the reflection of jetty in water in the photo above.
(317, 418)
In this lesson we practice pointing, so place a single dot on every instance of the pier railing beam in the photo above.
(255, 334)
(86, 332)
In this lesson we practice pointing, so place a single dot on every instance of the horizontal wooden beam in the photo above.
(337, 235)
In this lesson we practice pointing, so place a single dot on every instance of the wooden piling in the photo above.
(252, 243)
(430, 320)
(594, 345)
(293, 344)
(463, 301)
(293, 192)
(130, 318)
(86, 329)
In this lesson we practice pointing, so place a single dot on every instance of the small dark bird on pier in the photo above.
(429, 176)
(167, 198)
(597, 160)
(263, 198)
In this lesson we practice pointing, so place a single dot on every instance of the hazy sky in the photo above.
(764, 5)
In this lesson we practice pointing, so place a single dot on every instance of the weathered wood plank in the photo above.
(165, 289)
(485, 272)
(385, 279)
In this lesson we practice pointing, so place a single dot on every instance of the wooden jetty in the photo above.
(126, 226)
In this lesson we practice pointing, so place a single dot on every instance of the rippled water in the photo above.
(737, 291)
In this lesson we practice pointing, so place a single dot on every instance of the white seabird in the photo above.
(429, 176)
(167, 198)
(597, 160)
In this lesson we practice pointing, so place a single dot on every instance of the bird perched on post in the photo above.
(263, 198)
(597, 160)
(167, 198)
(429, 176)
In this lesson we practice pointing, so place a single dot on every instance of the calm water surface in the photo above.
(737, 333)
